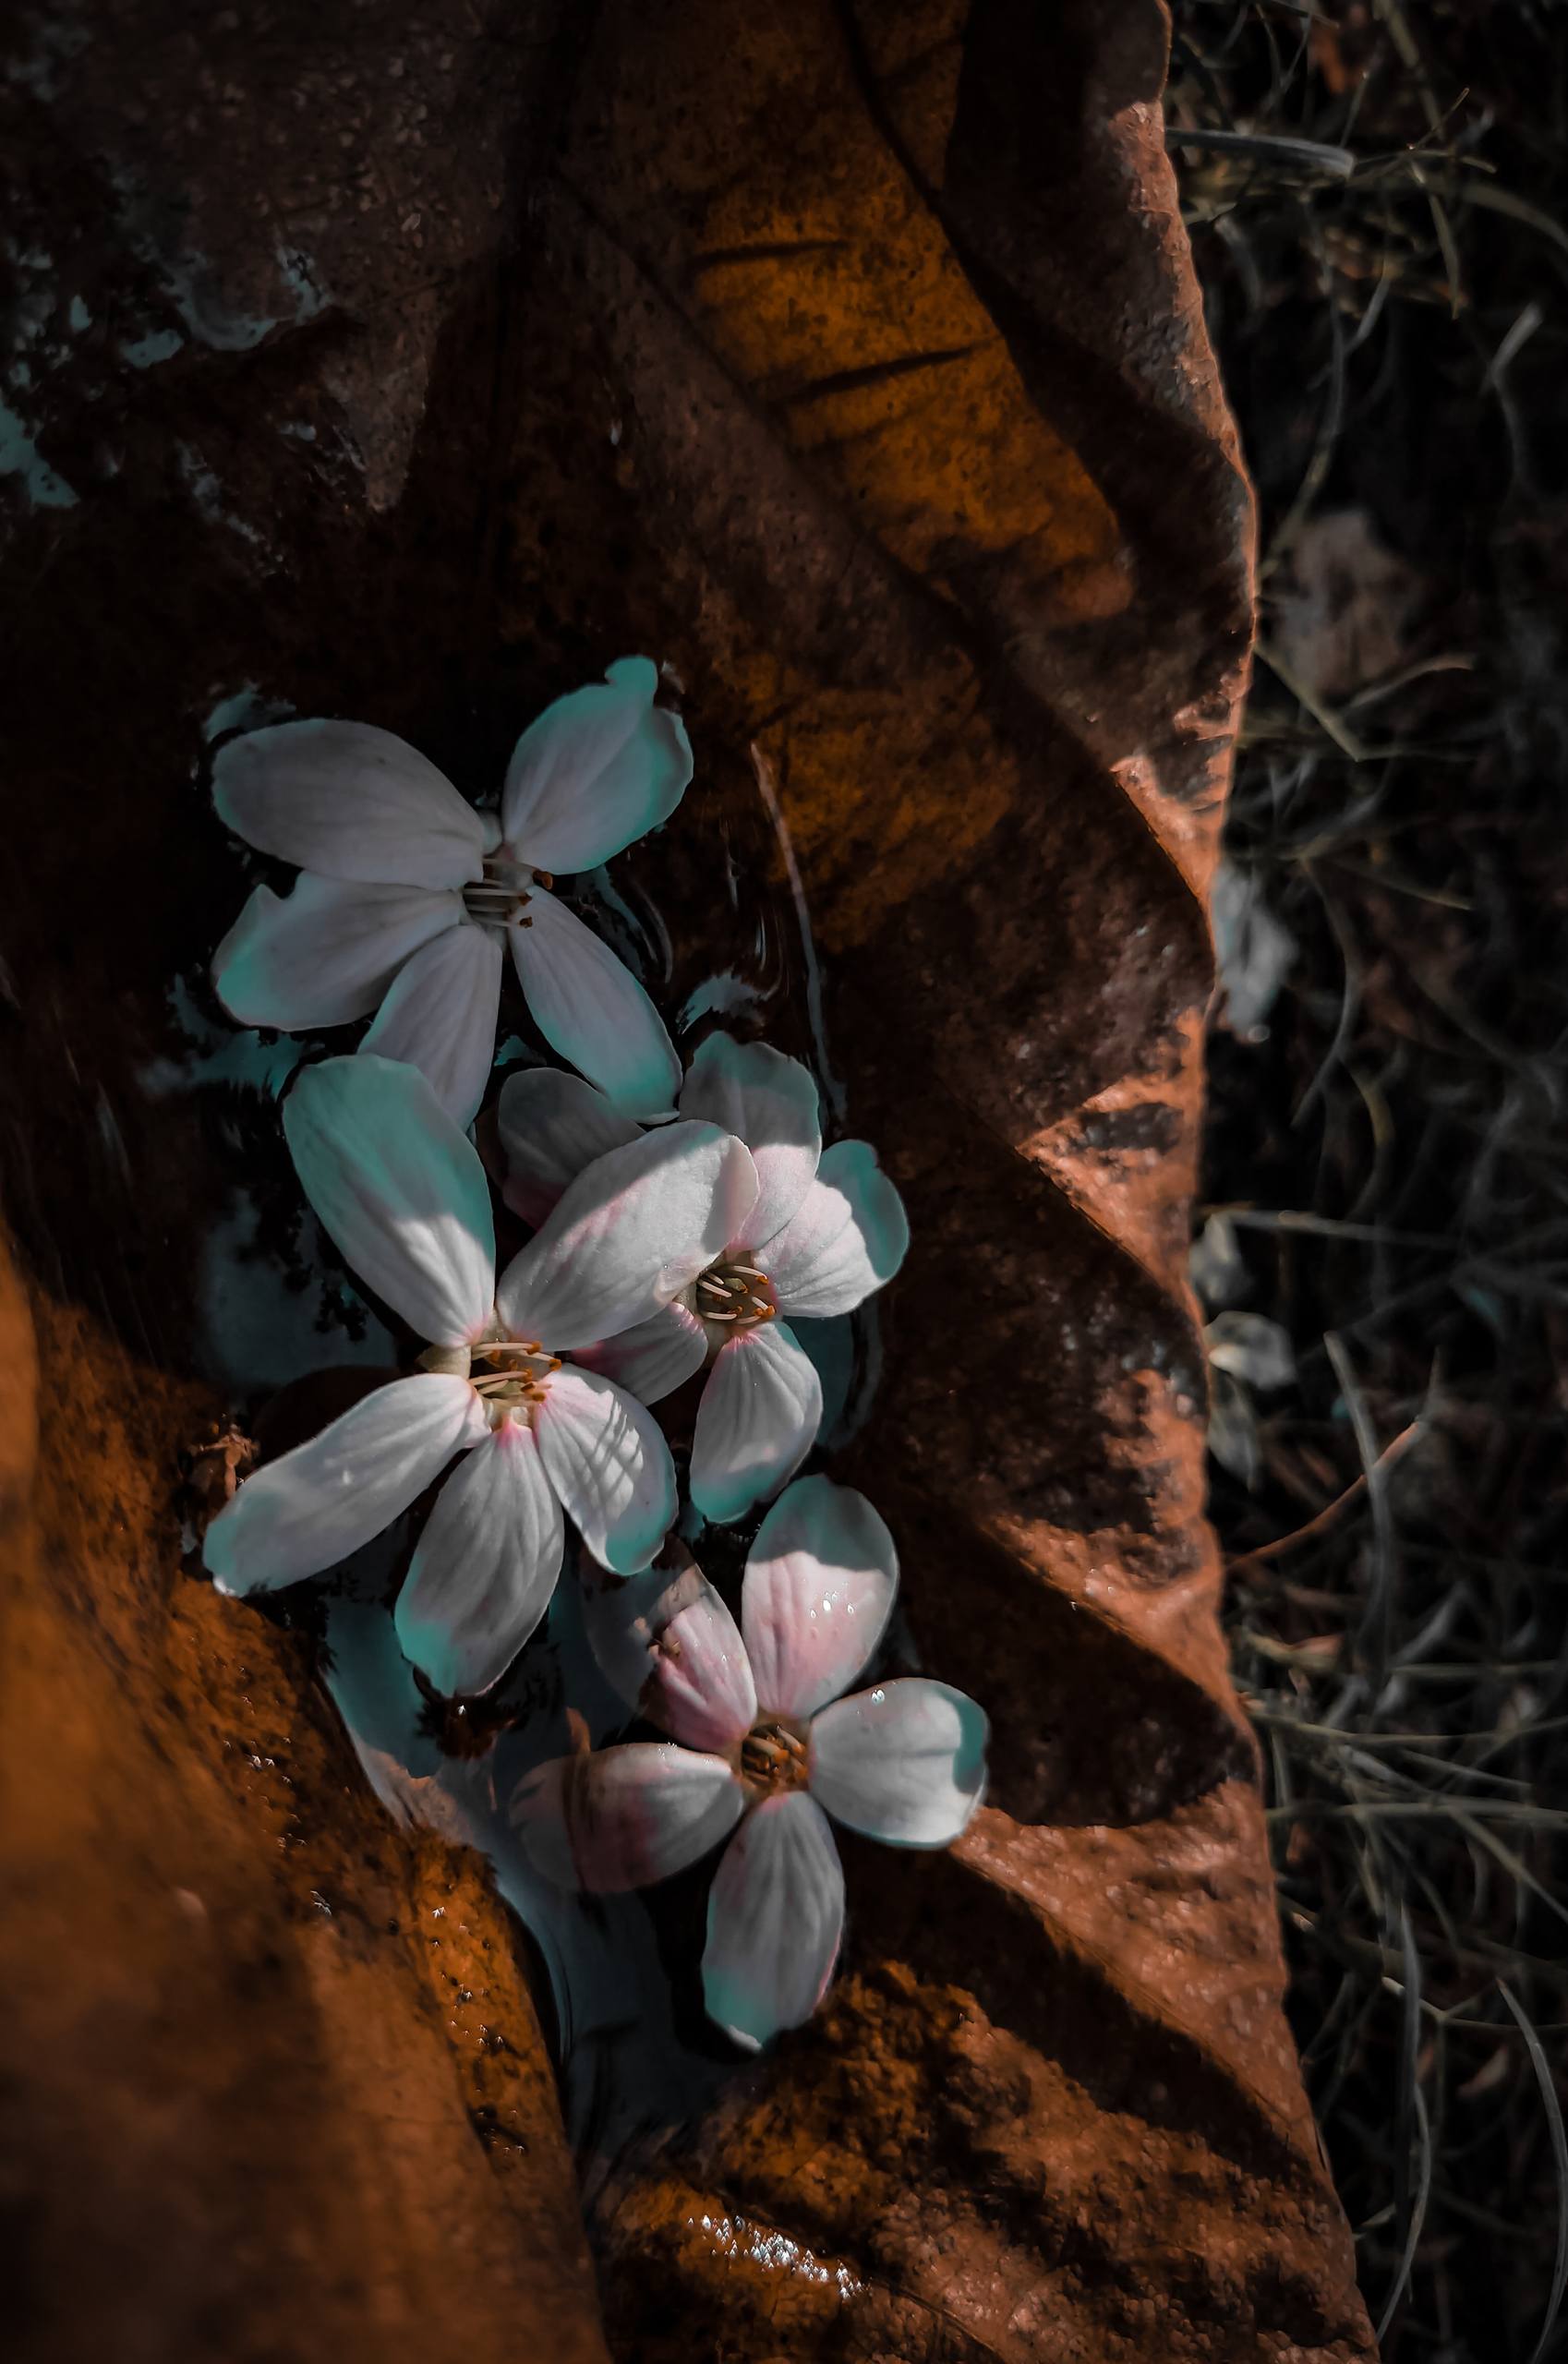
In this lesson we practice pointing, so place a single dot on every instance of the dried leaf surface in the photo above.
(849, 359)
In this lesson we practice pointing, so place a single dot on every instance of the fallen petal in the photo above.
(667, 1642)
(848, 1237)
(400, 1190)
(591, 1010)
(655, 1357)
(325, 953)
(775, 1917)
(311, 1507)
(441, 1018)
(606, 1459)
(486, 1566)
(770, 1102)
(349, 801)
(905, 1762)
(626, 1817)
(818, 1591)
(756, 1422)
(600, 767)
(628, 1236)
(551, 1127)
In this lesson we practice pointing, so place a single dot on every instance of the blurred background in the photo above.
(1376, 196)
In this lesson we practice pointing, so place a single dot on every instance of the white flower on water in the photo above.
(768, 1743)
(403, 1193)
(407, 895)
(826, 1229)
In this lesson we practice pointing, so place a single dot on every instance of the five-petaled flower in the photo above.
(406, 894)
(769, 1743)
(404, 1194)
(827, 1228)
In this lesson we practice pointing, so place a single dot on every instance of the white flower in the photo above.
(404, 1195)
(769, 1743)
(826, 1229)
(406, 894)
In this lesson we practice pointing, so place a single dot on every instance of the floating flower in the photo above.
(826, 1229)
(406, 895)
(768, 1743)
(404, 1194)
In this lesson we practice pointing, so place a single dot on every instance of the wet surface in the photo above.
(414, 384)
(275, 1310)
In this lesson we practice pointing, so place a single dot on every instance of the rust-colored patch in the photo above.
(271, 2064)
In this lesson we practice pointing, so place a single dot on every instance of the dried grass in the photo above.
(1378, 198)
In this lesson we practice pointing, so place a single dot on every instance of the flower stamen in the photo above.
(496, 900)
(518, 1379)
(772, 1759)
(741, 1294)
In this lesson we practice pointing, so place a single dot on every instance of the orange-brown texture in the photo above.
(848, 357)
(274, 2065)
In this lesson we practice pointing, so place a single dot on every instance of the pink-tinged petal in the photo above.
(400, 1190)
(325, 953)
(486, 1566)
(770, 1101)
(590, 1009)
(608, 1462)
(775, 1917)
(818, 1594)
(551, 1127)
(756, 1422)
(349, 801)
(441, 1018)
(311, 1507)
(651, 1360)
(848, 1237)
(600, 767)
(671, 1647)
(905, 1762)
(628, 1236)
(624, 1817)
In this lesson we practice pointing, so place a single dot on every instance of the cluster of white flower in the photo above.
(678, 1223)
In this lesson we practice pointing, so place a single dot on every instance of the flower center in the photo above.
(733, 1296)
(773, 1756)
(516, 1382)
(496, 900)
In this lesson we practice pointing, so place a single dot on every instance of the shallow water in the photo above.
(620, 1975)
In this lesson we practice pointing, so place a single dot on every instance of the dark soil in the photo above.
(1390, 312)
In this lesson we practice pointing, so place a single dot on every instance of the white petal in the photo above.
(771, 1103)
(486, 1566)
(818, 1594)
(905, 1762)
(324, 954)
(551, 1127)
(311, 1507)
(349, 801)
(400, 1190)
(441, 1018)
(775, 1916)
(608, 1461)
(654, 1358)
(591, 1010)
(756, 1422)
(632, 1231)
(668, 1644)
(848, 1237)
(624, 1817)
(598, 768)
